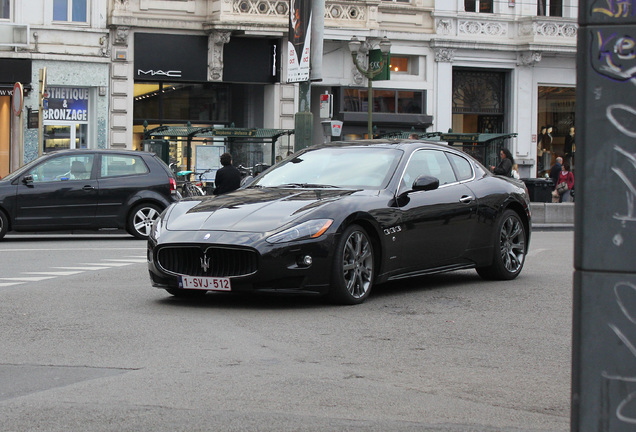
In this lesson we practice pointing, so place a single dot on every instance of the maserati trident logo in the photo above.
(205, 263)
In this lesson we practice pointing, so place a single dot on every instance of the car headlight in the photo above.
(155, 231)
(306, 230)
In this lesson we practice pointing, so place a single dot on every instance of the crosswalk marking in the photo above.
(28, 279)
(37, 276)
(85, 268)
(60, 273)
(135, 260)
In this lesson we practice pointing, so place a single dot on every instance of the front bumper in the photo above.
(276, 267)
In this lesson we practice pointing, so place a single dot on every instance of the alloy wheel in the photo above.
(357, 264)
(143, 220)
(512, 244)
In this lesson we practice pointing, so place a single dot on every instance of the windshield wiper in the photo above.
(306, 186)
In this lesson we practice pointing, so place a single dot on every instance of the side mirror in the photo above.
(425, 183)
(28, 180)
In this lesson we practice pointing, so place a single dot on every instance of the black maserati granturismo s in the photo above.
(337, 218)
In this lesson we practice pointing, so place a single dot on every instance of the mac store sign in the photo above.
(160, 57)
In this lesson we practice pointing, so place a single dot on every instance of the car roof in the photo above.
(397, 143)
(100, 150)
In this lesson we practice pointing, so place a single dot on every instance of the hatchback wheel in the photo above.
(509, 249)
(352, 271)
(140, 220)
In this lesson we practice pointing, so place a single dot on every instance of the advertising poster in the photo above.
(299, 40)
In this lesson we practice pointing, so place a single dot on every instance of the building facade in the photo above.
(65, 42)
(133, 65)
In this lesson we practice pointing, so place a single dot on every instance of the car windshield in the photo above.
(340, 167)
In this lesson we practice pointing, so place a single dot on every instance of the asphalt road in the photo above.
(89, 345)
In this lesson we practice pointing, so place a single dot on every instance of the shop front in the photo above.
(11, 71)
(175, 87)
(65, 118)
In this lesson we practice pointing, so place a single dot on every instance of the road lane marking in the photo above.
(131, 261)
(28, 279)
(8, 284)
(61, 273)
(86, 268)
(111, 264)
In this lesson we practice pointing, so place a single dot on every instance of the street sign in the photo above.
(18, 98)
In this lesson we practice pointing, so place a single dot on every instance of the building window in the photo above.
(478, 101)
(481, 6)
(70, 10)
(550, 8)
(5, 9)
(384, 101)
(404, 65)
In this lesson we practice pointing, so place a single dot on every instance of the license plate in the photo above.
(205, 283)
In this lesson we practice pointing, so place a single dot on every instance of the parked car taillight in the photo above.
(173, 186)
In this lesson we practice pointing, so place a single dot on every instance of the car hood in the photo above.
(250, 210)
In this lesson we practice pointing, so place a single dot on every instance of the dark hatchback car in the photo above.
(87, 189)
(338, 218)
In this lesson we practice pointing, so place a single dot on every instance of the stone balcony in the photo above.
(505, 32)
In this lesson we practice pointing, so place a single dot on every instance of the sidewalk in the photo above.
(552, 216)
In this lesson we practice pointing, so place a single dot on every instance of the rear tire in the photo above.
(509, 249)
(352, 270)
(140, 220)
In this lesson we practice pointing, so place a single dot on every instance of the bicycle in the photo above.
(188, 188)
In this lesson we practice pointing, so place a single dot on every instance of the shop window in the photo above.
(70, 10)
(481, 6)
(550, 8)
(384, 101)
(180, 103)
(5, 9)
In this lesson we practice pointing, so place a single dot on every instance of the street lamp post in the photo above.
(369, 72)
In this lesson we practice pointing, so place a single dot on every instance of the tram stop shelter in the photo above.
(199, 148)
(484, 147)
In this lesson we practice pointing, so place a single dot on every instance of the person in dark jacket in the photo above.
(227, 178)
(556, 170)
(504, 167)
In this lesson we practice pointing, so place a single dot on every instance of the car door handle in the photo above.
(88, 188)
(466, 199)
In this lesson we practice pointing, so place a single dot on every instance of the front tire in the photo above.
(509, 249)
(4, 224)
(352, 270)
(140, 220)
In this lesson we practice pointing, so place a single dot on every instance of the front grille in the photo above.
(220, 262)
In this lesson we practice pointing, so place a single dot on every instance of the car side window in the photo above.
(122, 165)
(462, 166)
(63, 168)
(429, 163)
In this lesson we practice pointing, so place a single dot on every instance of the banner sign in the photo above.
(66, 104)
(299, 41)
(375, 60)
